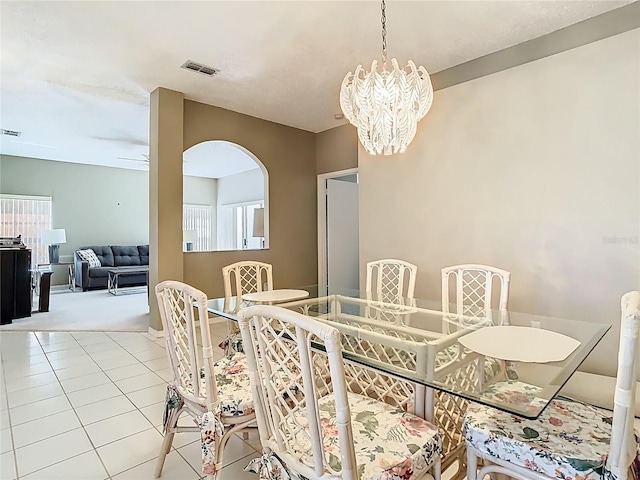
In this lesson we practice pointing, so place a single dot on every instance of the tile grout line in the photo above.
(13, 449)
(102, 370)
(136, 408)
(77, 416)
(66, 394)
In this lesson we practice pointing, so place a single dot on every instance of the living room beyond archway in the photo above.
(225, 198)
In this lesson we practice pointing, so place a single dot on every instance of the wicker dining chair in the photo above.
(217, 395)
(570, 439)
(240, 278)
(309, 423)
(389, 281)
(474, 286)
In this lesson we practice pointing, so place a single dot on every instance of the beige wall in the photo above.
(165, 192)
(95, 205)
(535, 170)
(289, 156)
(337, 149)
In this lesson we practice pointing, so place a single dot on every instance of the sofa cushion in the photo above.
(104, 254)
(90, 257)
(143, 250)
(125, 256)
(98, 272)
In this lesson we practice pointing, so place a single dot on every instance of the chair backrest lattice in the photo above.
(183, 309)
(622, 449)
(290, 378)
(246, 277)
(449, 410)
(385, 388)
(390, 281)
(474, 286)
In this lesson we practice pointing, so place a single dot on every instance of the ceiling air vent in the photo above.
(11, 133)
(200, 68)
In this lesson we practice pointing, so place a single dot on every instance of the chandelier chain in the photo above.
(386, 106)
(383, 19)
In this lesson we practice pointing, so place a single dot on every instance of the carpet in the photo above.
(96, 310)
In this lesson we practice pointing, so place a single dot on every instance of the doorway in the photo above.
(338, 242)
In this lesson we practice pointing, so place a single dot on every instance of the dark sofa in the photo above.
(111, 256)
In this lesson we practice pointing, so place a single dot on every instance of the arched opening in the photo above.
(225, 198)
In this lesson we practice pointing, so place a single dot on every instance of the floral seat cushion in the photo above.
(569, 440)
(390, 444)
(234, 389)
(232, 381)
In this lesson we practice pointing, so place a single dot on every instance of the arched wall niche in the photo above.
(225, 198)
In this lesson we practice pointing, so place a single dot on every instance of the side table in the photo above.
(70, 272)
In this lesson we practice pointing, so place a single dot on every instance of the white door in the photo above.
(342, 233)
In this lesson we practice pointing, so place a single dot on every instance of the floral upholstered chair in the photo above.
(240, 278)
(310, 425)
(217, 395)
(570, 439)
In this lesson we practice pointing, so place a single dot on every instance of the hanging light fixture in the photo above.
(386, 106)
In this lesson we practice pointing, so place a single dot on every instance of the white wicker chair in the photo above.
(391, 279)
(569, 439)
(474, 290)
(309, 424)
(220, 409)
(472, 286)
(240, 278)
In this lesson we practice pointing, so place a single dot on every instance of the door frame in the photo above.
(322, 224)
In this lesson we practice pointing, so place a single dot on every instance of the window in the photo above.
(26, 216)
(235, 228)
(198, 218)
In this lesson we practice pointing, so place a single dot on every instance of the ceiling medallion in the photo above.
(386, 106)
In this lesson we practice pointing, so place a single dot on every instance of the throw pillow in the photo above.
(89, 255)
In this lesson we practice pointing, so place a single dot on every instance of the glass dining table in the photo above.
(515, 362)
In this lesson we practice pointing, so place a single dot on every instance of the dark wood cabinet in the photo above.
(15, 284)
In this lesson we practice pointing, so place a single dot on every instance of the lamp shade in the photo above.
(54, 237)
(189, 236)
(258, 222)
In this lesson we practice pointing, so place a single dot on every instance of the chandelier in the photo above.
(386, 106)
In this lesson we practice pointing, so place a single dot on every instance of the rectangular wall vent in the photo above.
(200, 68)
(11, 133)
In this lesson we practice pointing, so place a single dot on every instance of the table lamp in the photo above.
(188, 237)
(54, 238)
(258, 224)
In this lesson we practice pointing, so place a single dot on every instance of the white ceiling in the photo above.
(216, 159)
(76, 76)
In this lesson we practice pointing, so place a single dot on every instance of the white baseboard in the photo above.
(156, 333)
(60, 288)
(160, 333)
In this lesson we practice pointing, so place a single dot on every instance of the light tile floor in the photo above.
(88, 406)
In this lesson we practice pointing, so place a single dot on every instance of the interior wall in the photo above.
(337, 149)
(289, 156)
(534, 170)
(165, 192)
(241, 187)
(202, 191)
(95, 205)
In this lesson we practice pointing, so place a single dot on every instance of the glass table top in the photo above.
(422, 341)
